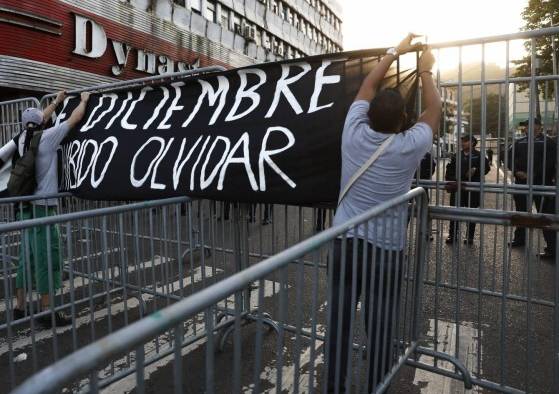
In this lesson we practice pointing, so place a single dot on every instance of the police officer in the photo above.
(544, 173)
(470, 171)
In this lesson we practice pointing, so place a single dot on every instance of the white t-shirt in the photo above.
(46, 163)
(389, 177)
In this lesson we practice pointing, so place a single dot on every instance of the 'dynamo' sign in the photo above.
(91, 41)
(260, 134)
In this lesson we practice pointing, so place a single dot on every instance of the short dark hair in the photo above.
(387, 111)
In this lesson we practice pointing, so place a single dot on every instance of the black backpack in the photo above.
(22, 180)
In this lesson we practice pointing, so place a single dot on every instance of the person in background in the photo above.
(470, 171)
(34, 249)
(375, 115)
(544, 173)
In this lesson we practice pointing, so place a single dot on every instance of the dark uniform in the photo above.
(469, 160)
(544, 173)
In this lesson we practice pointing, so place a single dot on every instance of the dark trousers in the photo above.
(468, 200)
(381, 275)
(543, 205)
(320, 219)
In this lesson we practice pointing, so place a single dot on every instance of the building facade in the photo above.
(50, 45)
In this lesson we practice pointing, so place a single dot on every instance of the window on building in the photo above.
(211, 13)
(179, 2)
(276, 7)
(237, 26)
(195, 6)
(267, 41)
(292, 53)
(225, 18)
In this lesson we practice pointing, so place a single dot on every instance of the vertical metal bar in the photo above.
(299, 317)
(352, 304)
(377, 306)
(140, 366)
(9, 309)
(339, 318)
(71, 281)
(281, 328)
(458, 225)
(330, 318)
(105, 272)
(177, 364)
(259, 335)
(483, 131)
(314, 305)
(210, 362)
(47, 229)
(530, 261)
(556, 295)
(364, 267)
(237, 349)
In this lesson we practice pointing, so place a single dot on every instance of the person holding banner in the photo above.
(379, 160)
(38, 257)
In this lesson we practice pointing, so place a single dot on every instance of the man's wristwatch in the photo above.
(393, 52)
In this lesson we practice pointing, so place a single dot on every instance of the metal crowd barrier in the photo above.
(121, 262)
(491, 302)
(178, 343)
(10, 116)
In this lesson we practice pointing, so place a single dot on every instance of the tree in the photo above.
(492, 116)
(539, 14)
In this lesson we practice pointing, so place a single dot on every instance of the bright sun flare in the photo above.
(380, 23)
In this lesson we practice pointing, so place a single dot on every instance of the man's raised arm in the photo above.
(372, 81)
(49, 109)
(79, 111)
(431, 96)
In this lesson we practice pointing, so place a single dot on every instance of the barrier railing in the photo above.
(298, 358)
(10, 116)
(491, 280)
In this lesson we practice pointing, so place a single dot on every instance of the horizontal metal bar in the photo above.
(496, 188)
(69, 217)
(493, 216)
(60, 308)
(496, 294)
(20, 100)
(88, 357)
(503, 37)
(453, 84)
(32, 197)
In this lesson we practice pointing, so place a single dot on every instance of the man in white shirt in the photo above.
(35, 250)
(374, 116)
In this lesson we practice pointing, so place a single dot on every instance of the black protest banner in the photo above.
(267, 133)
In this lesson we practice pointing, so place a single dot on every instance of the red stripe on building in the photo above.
(28, 43)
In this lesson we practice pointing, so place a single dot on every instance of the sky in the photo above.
(383, 23)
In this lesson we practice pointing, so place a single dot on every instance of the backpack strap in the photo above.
(365, 166)
(35, 140)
